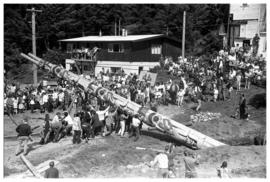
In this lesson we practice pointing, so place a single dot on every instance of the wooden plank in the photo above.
(13, 120)
(30, 166)
(42, 167)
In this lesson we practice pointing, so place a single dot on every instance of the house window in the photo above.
(69, 47)
(156, 49)
(236, 32)
(115, 69)
(86, 68)
(116, 48)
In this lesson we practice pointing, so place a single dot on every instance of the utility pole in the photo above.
(228, 29)
(119, 31)
(183, 35)
(115, 27)
(33, 10)
(167, 31)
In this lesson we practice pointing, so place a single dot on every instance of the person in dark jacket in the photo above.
(52, 172)
(45, 134)
(96, 125)
(50, 104)
(243, 107)
(85, 124)
(24, 131)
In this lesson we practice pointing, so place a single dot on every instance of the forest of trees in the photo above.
(60, 21)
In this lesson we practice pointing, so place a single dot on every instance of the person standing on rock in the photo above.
(190, 161)
(52, 172)
(24, 131)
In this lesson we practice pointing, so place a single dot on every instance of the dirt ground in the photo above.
(113, 156)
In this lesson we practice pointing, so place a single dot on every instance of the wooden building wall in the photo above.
(135, 51)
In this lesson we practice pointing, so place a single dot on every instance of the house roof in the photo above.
(132, 38)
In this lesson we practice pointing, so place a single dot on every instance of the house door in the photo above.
(246, 44)
(140, 69)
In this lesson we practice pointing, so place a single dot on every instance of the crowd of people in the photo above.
(198, 80)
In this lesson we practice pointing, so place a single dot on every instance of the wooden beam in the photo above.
(30, 166)
(42, 167)
(13, 120)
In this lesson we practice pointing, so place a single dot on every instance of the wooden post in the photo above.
(33, 10)
(30, 166)
(183, 35)
(228, 29)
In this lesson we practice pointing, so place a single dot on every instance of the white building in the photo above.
(248, 20)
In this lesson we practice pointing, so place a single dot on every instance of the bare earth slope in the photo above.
(113, 156)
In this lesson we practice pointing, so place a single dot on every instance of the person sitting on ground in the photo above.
(223, 171)
(52, 172)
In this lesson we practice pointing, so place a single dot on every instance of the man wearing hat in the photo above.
(24, 131)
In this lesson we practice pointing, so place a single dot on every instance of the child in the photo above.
(215, 93)
(230, 89)
(223, 171)
(180, 97)
(32, 104)
(21, 107)
(15, 105)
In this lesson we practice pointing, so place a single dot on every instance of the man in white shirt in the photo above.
(55, 99)
(68, 123)
(61, 97)
(77, 129)
(162, 161)
(45, 101)
(56, 126)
